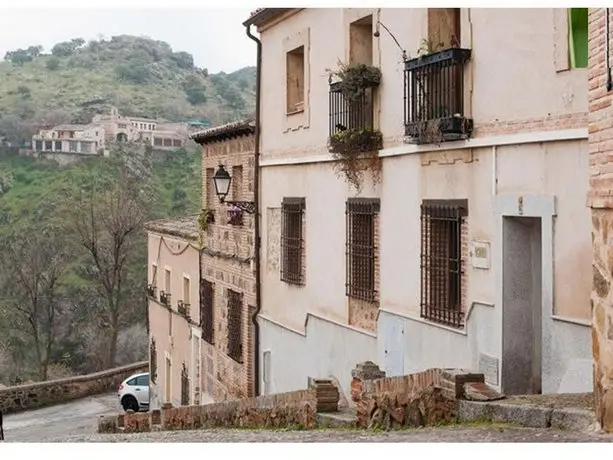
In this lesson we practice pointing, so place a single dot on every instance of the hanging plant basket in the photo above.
(356, 152)
(355, 79)
(235, 216)
(205, 218)
(355, 142)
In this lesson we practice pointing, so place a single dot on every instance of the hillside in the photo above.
(140, 76)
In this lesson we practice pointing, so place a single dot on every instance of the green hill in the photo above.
(139, 76)
(40, 201)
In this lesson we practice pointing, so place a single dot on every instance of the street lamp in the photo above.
(222, 180)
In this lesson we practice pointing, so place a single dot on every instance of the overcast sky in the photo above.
(215, 37)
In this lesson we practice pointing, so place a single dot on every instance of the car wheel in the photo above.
(129, 403)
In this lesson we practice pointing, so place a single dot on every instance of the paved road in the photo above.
(75, 418)
(77, 421)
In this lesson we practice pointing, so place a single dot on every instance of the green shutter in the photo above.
(577, 34)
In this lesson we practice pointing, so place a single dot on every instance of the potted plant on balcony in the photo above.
(205, 218)
(353, 141)
(235, 215)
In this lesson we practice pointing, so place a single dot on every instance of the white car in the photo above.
(133, 392)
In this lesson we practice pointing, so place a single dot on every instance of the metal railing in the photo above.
(441, 261)
(361, 249)
(292, 210)
(434, 91)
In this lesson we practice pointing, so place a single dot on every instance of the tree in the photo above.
(53, 63)
(35, 266)
(107, 226)
(184, 60)
(34, 51)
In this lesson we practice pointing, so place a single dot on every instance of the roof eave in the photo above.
(264, 15)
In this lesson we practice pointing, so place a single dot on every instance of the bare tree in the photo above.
(108, 224)
(34, 269)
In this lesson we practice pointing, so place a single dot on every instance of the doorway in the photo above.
(167, 392)
(521, 305)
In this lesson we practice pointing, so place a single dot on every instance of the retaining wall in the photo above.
(25, 397)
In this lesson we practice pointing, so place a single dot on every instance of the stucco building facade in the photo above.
(471, 249)
(74, 139)
(174, 314)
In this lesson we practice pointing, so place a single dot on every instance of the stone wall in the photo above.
(25, 397)
(418, 399)
(600, 199)
(296, 408)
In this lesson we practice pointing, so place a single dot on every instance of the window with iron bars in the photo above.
(361, 250)
(441, 261)
(434, 97)
(292, 211)
(207, 296)
(235, 325)
(184, 386)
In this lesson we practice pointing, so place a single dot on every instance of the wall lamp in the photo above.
(222, 180)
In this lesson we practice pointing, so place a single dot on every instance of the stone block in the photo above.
(107, 424)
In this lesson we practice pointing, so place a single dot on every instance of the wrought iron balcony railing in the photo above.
(434, 97)
(353, 118)
(183, 309)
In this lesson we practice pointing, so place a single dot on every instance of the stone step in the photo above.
(529, 415)
(480, 391)
(347, 418)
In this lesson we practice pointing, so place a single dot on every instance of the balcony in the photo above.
(183, 309)
(151, 291)
(165, 299)
(434, 97)
(351, 115)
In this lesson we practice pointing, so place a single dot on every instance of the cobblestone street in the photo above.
(441, 434)
(76, 422)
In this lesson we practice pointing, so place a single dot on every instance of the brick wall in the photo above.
(600, 199)
(418, 399)
(228, 262)
(25, 397)
(279, 410)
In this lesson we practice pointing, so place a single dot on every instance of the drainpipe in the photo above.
(256, 193)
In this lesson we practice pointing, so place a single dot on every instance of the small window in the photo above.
(157, 141)
(58, 146)
(361, 248)
(154, 274)
(207, 298)
(167, 281)
(441, 260)
(86, 147)
(142, 380)
(444, 28)
(73, 146)
(578, 37)
(235, 326)
(48, 146)
(131, 382)
(186, 290)
(292, 241)
(237, 183)
(169, 323)
(360, 41)
(39, 145)
(295, 80)
(210, 188)
(176, 143)
(167, 142)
